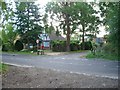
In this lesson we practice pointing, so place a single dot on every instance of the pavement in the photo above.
(72, 63)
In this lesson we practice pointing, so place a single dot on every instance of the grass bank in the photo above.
(3, 68)
(105, 56)
(20, 52)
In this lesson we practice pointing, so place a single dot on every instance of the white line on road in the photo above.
(106, 76)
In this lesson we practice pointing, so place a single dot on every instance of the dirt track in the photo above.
(20, 77)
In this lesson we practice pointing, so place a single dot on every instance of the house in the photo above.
(47, 38)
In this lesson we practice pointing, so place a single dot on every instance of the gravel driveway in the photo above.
(24, 77)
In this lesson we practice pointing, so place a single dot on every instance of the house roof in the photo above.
(53, 36)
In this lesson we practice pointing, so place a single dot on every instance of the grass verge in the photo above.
(20, 52)
(103, 56)
(3, 68)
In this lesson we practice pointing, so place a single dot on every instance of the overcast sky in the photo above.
(43, 2)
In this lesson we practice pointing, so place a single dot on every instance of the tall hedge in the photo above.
(60, 46)
(18, 45)
(4, 47)
(74, 45)
(88, 45)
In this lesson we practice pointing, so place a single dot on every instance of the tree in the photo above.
(7, 30)
(27, 21)
(86, 21)
(8, 36)
(60, 9)
(111, 13)
(71, 16)
(113, 23)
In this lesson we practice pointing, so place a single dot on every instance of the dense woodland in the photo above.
(24, 22)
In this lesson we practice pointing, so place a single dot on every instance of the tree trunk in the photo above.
(67, 23)
(68, 39)
(83, 42)
(68, 33)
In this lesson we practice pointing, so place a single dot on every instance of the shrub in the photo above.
(60, 46)
(18, 45)
(4, 47)
(109, 48)
(88, 45)
(74, 45)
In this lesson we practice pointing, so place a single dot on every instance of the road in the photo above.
(69, 62)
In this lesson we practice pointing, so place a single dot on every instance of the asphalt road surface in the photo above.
(70, 62)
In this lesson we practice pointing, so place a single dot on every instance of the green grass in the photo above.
(20, 52)
(104, 56)
(3, 68)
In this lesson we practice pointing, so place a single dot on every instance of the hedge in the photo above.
(60, 46)
(88, 45)
(18, 45)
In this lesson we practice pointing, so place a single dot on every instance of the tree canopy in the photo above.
(28, 21)
(72, 16)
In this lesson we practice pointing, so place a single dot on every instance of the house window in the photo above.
(46, 44)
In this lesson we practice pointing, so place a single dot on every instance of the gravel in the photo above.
(31, 77)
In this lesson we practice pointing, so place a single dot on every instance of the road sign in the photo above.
(37, 41)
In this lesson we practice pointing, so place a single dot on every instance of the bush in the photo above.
(60, 46)
(74, 45)
(88, 45)
(109, 48)
(18, 45)
(102, 55)
(4, 47)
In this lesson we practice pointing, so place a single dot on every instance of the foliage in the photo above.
(7, 31)
(27, 20)
(73, 15)
(113, 23)
(0, 41)
(60, 46)
(74, 45)
(101, 55)
(88, 45)
(22, 52)
(108, 48)
(111, 13)
(4, 47)
(18, 45)
(3, 68)
(8, 37)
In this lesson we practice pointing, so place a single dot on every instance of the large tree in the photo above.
(110, 12)
(7, 31)
(28, 21)
(72, 16)
(62, 12)
(86, 20)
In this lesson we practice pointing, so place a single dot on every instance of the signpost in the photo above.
(41, 48)
(37, 41)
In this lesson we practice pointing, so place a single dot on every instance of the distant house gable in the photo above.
(53, 36)
(46, 38)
